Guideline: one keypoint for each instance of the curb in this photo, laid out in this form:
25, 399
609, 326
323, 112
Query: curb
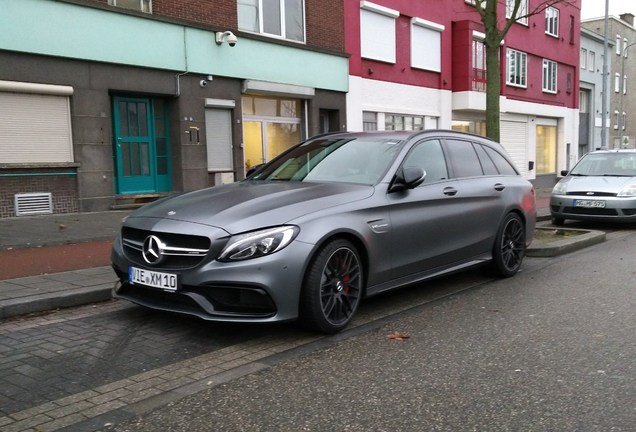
560, 247
51, 301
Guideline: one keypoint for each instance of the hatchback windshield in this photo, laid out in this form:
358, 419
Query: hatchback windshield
359, 160
606, 164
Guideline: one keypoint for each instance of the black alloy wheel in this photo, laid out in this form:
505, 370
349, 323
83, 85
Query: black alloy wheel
510, 246
333, 287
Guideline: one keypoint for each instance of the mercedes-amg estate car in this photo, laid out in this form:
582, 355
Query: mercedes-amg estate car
330, 221
600, 187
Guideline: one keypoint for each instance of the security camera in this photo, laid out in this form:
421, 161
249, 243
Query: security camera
231, 39
203, 83
226, 36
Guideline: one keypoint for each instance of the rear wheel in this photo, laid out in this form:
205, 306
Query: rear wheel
510, 246
332, 288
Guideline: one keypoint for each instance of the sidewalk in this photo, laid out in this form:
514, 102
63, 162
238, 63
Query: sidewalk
56, 261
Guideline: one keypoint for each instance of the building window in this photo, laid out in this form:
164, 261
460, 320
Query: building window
624, 120
522, 13
591, 64
377, 32
624, 84
516, 68
426, 45
618, 44
138, 5
616, 119
546, 149
369, 121
403, 122
617, 83
552, 21
279, 18
549, 76
479, 66
583, 58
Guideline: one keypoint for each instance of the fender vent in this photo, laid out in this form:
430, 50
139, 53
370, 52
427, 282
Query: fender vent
33, 203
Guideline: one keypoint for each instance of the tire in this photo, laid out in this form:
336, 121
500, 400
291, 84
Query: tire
332, 288
510, 246
557, 221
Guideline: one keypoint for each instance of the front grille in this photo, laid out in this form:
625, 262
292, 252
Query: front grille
181, 251
592, 194
590, 211
205, 301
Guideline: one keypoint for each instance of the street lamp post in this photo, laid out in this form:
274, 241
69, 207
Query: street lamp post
623, 81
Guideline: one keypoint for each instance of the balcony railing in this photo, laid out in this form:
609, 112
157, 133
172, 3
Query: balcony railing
479, 80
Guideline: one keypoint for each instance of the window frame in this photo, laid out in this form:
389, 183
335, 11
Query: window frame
522, 75
142, 6
549, 75
617, 82
552, 21
417, 60
583, 58
282, 18
523, 10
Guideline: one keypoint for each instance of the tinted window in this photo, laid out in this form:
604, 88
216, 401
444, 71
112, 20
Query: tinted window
502, 164
464, 159
429, 156
486, 163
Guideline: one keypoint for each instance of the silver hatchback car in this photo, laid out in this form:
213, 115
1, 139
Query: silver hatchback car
330, 221
600, 187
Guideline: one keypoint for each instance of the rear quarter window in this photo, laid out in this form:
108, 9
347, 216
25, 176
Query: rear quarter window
503, 166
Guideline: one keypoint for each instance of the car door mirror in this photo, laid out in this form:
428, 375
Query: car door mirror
564, 173
407, 178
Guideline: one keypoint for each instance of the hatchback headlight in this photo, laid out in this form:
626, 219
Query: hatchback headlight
629, 190
560, 188
258, 243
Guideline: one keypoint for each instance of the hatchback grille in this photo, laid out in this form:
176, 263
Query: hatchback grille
590, 211
592, 194
181, 251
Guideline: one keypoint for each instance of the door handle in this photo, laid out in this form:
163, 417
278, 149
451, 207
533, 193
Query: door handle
450, 191
499, 187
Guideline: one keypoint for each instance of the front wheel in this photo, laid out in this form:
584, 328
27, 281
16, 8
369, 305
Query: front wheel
510, 246
332, 288
557, 221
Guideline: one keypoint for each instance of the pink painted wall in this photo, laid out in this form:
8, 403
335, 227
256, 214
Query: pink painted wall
460, 19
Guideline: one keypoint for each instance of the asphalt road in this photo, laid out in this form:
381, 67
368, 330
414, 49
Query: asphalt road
552, 349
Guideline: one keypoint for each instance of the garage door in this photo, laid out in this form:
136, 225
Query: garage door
514, 138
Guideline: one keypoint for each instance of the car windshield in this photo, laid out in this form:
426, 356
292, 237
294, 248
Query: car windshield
606, 164
349, 160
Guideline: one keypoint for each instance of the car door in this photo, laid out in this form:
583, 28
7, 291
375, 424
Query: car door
480, 193
424, 220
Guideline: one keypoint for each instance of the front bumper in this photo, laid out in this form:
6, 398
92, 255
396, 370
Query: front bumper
265, 289
615, 209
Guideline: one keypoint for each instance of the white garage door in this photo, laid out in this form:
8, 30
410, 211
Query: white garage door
514, 138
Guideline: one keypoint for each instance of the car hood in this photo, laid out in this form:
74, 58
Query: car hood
606, 184
249, 205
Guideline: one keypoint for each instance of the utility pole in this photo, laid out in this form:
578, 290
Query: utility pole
621, 115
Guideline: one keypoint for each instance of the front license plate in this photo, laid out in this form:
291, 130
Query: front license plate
589, 203
164, 281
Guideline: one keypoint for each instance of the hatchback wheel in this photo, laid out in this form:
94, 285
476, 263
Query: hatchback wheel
510, 246
557, 221
332, 288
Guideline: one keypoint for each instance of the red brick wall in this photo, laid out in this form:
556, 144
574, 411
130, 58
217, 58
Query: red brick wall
324, 18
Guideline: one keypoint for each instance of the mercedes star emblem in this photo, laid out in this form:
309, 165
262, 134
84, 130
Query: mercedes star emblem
153, 250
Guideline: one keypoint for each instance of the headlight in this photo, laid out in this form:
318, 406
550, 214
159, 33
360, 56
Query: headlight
628, 191
560, 188
258, 243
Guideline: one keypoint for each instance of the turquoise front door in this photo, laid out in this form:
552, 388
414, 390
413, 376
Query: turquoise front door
142, 149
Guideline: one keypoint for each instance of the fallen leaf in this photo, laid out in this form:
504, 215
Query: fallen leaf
397, 336
61, 227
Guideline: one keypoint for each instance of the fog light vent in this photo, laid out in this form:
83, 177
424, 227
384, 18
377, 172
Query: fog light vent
33, 203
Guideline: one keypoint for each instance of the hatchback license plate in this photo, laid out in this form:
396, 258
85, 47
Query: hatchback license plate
164, 281
589, 203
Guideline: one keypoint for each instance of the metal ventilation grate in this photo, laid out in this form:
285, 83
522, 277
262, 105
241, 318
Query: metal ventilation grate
33, 203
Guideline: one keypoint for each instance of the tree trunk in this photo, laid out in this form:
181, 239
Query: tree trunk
493, 90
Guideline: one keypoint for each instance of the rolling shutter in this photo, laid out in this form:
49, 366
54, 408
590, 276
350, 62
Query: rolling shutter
514, 138
218, 134
35, 128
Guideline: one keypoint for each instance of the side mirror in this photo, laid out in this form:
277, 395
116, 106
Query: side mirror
407, 178
254, 169
564, 173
